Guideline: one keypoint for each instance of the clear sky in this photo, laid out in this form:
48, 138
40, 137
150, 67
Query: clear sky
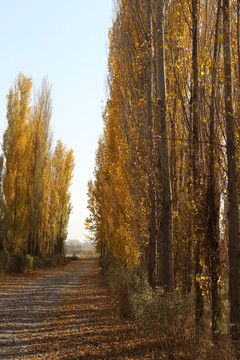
65, 40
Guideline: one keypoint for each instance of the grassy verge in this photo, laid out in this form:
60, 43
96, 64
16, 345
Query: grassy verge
166, 319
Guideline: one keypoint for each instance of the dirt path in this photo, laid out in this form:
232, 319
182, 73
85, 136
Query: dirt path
64, 314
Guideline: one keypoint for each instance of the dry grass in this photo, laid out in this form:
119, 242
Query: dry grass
167, 319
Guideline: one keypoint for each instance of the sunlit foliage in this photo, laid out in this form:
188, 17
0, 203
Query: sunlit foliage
35, 200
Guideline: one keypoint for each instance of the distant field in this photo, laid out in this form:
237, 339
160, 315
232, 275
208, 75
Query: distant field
80, 251
85, 254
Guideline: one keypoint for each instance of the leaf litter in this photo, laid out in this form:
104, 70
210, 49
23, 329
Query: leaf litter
65, 314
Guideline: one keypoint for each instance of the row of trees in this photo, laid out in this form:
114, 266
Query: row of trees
34, 182
166, 178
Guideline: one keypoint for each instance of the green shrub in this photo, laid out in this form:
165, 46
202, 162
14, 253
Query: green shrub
50, 262
59, 261
74, 257
29, 261
106, 262
46, 262
4, 259
19, 263
128, 288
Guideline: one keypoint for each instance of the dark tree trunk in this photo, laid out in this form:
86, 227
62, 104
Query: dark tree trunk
199, 305
233, 223
152, 221
165, 233
213, 197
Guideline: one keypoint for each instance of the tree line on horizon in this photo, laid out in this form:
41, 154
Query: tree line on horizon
166, 186
34, 178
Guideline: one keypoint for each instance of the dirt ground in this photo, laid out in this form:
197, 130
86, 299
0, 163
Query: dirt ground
64, 314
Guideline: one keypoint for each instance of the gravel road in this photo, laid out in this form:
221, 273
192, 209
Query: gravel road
28, 311
66, 314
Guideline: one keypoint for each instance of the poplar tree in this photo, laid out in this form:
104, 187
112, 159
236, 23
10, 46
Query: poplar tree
40, 143
15, 150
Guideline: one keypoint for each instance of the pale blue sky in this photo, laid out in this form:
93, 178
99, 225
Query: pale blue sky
65, 40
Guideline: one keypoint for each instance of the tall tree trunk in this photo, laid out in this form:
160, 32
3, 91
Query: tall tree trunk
233, 223
152, 223
165, 232
238, 44
195, 163
174, 175
213, 195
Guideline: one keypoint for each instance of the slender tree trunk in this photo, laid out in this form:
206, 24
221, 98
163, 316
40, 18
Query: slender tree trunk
174, 154
190, 269
174, 176
238, 52
195, 113
165, 233
14, 230
233, 223
238, 44
152, 223
213, 196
